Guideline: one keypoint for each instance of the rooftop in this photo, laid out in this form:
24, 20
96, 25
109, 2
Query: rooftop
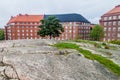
69, 17
26, 18
114, 10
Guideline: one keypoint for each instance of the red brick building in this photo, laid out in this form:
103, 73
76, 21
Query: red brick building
111, 23
23, 27
26, 26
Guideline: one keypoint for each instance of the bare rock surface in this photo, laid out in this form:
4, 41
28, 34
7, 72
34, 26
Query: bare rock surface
36, 60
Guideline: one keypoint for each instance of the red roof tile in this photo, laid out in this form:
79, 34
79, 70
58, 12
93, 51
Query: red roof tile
114, 10
26, 18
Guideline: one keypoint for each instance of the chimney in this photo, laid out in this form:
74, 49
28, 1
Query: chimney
20, 15
117, 6
12, 17
26, 14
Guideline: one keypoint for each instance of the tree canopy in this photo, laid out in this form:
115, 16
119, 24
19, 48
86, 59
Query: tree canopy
50, 27
97, 33
2, 35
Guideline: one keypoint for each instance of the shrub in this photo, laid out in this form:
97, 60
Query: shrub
115, 42
97, 45
66, 45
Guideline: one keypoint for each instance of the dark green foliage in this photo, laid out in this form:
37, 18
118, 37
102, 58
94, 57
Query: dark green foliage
97, 33
115, 42
66, 45
105, 45
103, 60
50, 27
2, 35
97, 45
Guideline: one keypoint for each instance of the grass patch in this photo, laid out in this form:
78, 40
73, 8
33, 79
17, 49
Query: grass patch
103, 60
66, 45
115, 42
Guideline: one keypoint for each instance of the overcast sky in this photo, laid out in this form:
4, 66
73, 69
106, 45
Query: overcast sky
90, 9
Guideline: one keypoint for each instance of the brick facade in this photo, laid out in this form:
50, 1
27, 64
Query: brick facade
26, 27
111, 23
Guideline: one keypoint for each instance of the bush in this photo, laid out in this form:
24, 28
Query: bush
115, 42
66, 45
97, 45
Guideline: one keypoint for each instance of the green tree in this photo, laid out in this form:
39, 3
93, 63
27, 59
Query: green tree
97, 33
2, 35
50, 27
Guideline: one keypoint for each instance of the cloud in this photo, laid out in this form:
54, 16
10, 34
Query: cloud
95, 20
90, 9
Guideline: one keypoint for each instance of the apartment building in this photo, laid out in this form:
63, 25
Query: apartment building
111, 23
23, 27
26, 26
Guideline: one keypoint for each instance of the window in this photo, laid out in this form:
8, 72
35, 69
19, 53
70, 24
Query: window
22, 30
31, 34
22, 23
114, 29
73, 31
18, 34
113, 35
27, 34
114, 17
108, 34
62, 35
110, 18
118, 28
31, 23
12, 24
66, 35
105, 23
26, 30
70, 31
114, 23
22, 26
119, 17
109, 29
109, 23
35, 23
105, 34
105, 29
118, 22
18, 23
66, 27
119, 35
31, 30
22, 34
35, 26
18, 30
105, 18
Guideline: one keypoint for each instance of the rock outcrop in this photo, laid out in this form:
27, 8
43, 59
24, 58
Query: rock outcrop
36, 60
